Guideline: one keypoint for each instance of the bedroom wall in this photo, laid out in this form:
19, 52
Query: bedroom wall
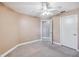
29, 28
56, 29
16, 28
8, 29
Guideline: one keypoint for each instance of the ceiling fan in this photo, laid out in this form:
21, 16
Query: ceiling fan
47, 10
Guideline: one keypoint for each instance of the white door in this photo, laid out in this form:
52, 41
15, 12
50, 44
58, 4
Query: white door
46, 30
68, 31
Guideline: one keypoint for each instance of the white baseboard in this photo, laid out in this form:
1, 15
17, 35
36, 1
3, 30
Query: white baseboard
57, 43
77, 50
61, 44
28, 42
10, 50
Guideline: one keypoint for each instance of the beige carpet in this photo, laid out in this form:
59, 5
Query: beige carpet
43, 49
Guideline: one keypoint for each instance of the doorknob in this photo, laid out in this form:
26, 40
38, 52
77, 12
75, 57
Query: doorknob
74, 34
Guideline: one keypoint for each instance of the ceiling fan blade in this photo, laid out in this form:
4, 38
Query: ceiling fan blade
51, 10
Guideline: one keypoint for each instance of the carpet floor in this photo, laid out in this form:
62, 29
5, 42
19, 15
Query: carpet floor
43, 49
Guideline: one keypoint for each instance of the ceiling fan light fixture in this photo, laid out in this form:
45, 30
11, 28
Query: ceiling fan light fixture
46, 13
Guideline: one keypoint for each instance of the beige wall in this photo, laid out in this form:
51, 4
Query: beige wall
16, 28
56, 24
29, 28
8, 29
56, 29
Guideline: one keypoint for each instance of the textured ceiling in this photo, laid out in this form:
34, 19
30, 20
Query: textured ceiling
34, 8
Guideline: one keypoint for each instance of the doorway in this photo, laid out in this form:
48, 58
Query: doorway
46, 30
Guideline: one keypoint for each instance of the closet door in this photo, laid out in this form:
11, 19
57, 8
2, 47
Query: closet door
68, 31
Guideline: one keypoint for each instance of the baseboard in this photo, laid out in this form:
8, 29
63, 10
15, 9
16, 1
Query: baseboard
77, 50
10, 50
61, 44
57, 43
28, 42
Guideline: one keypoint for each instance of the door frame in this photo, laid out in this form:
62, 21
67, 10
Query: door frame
77, 30
51, 30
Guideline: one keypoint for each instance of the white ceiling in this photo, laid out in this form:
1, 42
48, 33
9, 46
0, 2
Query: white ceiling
34, 8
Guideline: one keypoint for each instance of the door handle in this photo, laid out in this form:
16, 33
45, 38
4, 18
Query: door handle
74, 34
